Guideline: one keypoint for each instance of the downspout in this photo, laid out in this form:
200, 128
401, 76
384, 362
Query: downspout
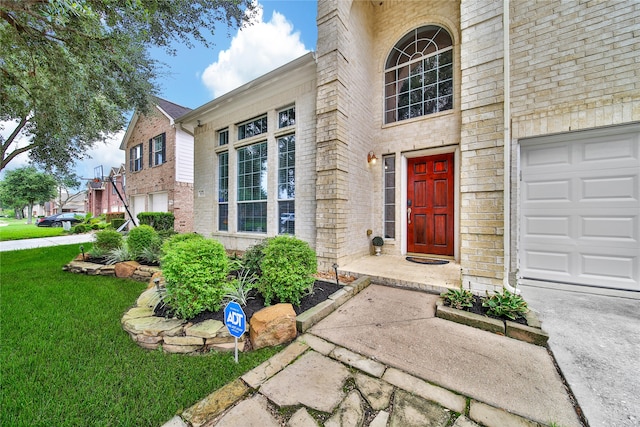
507, 147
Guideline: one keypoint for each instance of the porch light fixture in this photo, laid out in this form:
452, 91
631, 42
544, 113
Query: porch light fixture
371, 158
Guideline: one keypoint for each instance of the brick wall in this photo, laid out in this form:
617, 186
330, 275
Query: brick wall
161, 178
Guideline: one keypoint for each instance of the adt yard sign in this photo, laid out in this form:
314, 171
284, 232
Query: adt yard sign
234, 319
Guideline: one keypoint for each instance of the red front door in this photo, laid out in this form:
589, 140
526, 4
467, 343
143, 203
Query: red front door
430, 205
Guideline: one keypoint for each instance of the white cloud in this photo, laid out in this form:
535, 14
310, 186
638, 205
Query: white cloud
254, 51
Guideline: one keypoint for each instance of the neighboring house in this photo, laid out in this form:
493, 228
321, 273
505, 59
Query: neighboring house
75, 202
159, 159
434, 91
102, 193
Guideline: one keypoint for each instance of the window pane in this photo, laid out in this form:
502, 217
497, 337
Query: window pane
286, 168
427, 48
287, 117
252, 172
287, 223
389, 197
223, 217
252, 217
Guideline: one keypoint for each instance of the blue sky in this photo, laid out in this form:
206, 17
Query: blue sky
281, 32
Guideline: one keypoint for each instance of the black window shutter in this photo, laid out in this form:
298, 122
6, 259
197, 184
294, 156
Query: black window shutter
151, 152
131, 159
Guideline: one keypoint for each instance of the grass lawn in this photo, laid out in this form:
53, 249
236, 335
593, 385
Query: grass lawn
16, 229
66, 361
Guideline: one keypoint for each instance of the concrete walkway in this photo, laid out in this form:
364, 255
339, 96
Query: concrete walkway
13, 245
596, 342
384, 359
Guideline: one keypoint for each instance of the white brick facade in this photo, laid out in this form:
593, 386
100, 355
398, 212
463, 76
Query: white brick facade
573, 65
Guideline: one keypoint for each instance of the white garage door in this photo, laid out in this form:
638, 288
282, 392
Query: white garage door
580, 208
138, 206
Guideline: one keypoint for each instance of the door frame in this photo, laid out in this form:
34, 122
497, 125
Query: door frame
404, 172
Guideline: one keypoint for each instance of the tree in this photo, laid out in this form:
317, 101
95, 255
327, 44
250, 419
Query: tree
27, 186
71, 70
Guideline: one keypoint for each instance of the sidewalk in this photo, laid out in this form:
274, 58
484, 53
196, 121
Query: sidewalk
383, 358
12, 245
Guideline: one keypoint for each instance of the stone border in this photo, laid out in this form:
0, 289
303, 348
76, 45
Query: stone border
531, 333
179, 336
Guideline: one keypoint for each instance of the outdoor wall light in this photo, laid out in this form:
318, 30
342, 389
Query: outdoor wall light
371, 158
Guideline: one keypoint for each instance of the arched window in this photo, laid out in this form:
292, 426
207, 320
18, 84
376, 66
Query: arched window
418, 75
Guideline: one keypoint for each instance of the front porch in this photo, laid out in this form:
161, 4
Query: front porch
395, 270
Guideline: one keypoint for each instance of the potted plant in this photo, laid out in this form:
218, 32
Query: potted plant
377, 244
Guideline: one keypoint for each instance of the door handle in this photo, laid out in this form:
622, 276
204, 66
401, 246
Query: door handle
409, 215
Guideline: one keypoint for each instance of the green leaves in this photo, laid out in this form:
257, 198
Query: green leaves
506, 304
458, 298
287, 269
195, 272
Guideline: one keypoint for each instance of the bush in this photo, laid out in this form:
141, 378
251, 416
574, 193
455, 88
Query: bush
195, 272
253, 256
141, 237
107, 240
160, 221
117, 222
177, 238
287, 268
79, 228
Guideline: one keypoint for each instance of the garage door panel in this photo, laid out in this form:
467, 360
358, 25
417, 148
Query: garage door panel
580, 208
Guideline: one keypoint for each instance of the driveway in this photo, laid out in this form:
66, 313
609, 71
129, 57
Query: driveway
596, 342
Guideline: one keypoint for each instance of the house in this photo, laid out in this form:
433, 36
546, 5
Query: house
402, 117
159, 159
102, 193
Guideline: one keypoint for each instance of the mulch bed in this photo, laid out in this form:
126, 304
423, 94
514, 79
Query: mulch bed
477, 308
321, 291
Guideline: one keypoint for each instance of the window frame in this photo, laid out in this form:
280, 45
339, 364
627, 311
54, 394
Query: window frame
135, 159
416, 82
223, 192
223, 135
286, 194
290, 120
158, 157
253, 195
261, 127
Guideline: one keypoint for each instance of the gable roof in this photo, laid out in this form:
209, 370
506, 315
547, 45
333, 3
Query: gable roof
169, 109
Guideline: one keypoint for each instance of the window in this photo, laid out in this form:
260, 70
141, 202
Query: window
287, 184
419, 75
389, 197
252, 127
135, 158
223, 137
157, 150
287, 117
223, 191
252, 188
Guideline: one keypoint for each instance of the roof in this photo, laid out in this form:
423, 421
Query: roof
173, 110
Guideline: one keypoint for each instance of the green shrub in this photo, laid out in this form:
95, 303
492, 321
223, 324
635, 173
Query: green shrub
79, 228
160, 221
117, 222
107, 240
253, 256
141, 237
287, 268
505, 304
195, 272
177, 238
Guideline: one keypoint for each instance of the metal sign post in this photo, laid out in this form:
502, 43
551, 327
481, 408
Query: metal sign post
235, 321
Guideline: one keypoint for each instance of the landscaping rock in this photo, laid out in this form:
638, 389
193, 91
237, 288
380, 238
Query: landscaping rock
349, 413
207, 329
410, 410
272, 326
126, 269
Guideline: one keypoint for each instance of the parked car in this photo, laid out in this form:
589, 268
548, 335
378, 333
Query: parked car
57, 220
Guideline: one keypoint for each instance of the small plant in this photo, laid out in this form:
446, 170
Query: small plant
253, 256
505, 304
117, 255
458, 298
157, 301
107, 240
151, 254
377, 241
287, 268
143, 236
239, 289
195, 273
